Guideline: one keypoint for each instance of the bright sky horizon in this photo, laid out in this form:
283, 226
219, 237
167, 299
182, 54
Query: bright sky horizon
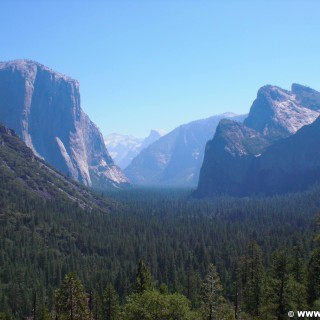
158, 64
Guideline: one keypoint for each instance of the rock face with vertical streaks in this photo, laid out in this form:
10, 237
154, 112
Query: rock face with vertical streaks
44, 109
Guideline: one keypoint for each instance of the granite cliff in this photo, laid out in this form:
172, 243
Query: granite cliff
43, 107
252, 158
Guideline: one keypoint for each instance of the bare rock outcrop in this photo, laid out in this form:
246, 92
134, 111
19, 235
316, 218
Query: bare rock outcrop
44, 109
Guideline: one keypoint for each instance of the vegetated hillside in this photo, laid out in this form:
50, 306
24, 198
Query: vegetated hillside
25, 177
38, 209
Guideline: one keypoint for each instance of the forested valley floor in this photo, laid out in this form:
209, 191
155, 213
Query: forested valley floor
159, 254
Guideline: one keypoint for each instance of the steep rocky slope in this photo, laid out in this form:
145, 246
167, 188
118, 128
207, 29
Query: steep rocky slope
291, 164
278, 113
228, 158
43, 107
235, 160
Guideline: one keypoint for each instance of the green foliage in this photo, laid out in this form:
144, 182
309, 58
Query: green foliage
110, 307
211, 298
252, 275
42, 240
143, 278
5, 316
314, 277
152, 305
283, 292
71, 300
45, 234
225, 311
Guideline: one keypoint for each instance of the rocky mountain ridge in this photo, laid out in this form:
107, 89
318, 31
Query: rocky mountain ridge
278, 113
235, 154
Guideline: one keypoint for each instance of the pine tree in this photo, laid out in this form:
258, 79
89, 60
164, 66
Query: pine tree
211, 293
143, 279
314, 277
252, 291
110, 305
298, 270
313, 272
237, 291
279, 284
284, 293
71, 301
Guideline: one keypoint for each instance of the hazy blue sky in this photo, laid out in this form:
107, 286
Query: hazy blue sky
158, 64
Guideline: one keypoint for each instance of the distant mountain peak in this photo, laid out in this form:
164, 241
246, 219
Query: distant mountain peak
156, 132
228, 114
278, 113
123, 148
153, 136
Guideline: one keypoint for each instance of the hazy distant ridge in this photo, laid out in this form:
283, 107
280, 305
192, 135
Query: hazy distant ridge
123, 148
175, 159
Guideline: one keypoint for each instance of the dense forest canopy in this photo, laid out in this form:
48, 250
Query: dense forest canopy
179, 238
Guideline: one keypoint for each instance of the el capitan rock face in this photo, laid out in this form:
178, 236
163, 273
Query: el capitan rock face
247, 159
43, 107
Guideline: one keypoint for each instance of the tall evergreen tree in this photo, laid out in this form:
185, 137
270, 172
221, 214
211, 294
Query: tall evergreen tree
71, 301
279, 285
211, 293
314, 277
313, 272
298, 264
143, 279
110, 307
253, 280
284, 293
